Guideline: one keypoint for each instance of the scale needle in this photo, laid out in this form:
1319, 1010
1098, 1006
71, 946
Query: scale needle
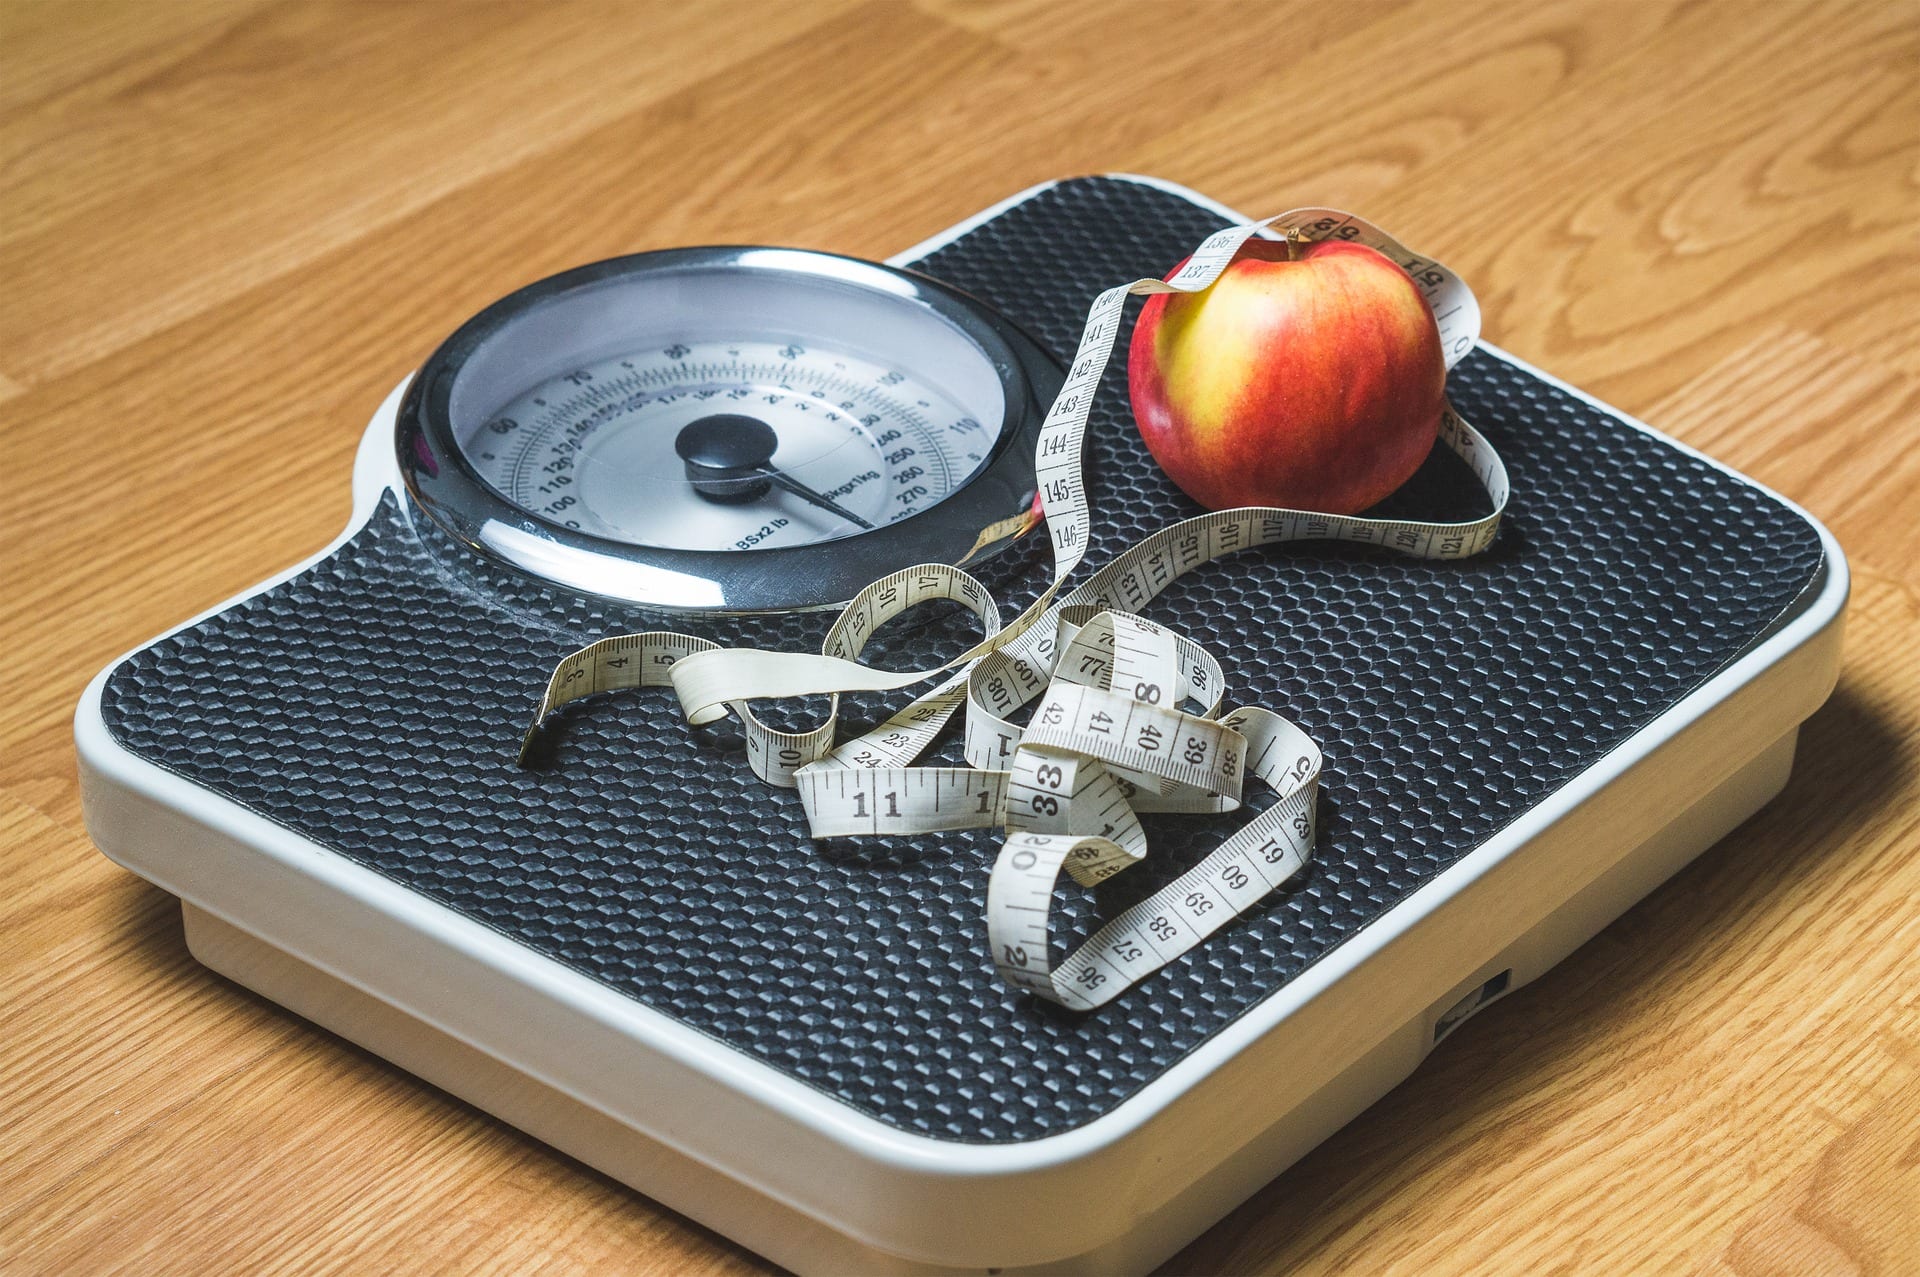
805, 493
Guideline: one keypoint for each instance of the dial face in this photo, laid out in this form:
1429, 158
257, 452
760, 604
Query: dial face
636, 448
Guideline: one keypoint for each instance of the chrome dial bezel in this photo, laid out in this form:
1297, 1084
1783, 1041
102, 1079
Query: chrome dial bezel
445, 484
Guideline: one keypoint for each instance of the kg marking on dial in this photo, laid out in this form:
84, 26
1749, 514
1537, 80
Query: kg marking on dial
731, 445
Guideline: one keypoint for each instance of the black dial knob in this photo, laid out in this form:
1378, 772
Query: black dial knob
726, 456
730, 458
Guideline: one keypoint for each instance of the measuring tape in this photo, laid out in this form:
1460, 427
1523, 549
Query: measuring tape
1128, 714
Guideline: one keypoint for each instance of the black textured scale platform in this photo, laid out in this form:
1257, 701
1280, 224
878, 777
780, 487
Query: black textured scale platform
1449, 698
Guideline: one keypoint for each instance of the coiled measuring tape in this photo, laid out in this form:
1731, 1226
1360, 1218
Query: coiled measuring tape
1128, 718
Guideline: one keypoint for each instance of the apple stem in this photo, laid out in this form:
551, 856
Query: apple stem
1293, 242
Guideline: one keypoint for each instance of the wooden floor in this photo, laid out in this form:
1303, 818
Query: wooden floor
226, 230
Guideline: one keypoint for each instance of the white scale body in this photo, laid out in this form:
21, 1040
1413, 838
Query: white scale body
820, 1187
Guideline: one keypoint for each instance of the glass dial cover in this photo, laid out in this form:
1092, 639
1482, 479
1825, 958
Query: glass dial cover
728, 429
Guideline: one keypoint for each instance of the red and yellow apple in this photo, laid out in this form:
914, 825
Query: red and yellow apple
1308, 376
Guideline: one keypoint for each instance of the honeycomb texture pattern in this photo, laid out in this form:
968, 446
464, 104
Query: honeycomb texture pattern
373, 704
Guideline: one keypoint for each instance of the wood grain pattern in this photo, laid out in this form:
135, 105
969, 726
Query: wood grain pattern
227, 228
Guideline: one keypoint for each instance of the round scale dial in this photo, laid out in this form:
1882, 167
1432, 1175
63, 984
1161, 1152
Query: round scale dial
728, 429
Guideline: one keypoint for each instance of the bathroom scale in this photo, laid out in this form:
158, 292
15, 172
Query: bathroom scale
627, 944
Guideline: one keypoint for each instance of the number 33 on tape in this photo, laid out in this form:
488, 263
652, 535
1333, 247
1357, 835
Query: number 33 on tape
1128, 717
